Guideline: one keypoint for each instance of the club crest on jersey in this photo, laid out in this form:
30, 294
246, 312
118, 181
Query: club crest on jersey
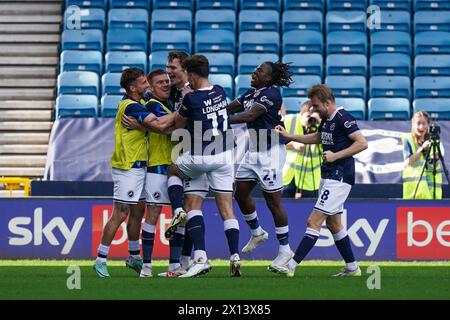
130, 194
256, 94
332, 126
156, 195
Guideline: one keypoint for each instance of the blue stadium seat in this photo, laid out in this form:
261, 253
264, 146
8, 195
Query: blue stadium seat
117, 61
82, 40
91, 18
259, 41
347, 42
109, 105
394, 20
78, 82
126, 40
158, 60
304, 5
217, 4
223, 80
389, 109
431, 21
71, 106
390, 41
432, 65
431, 5
259, 20
346, 64
432, 42
302, 20
87, 3
346, 21
431, 87
221, 62
242, 84
303, 64
392, 4
141, 4
346, 4
111, 84
300, 85
172, 4
76, 60
171, 19
128, 19
215, 41
171, 40
247, 62
390, 86
394, 64
259, 4
437, 108
356, 107
302, 41
215, 19
294, 104
347, 86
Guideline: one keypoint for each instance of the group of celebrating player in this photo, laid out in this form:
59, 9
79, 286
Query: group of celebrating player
147, 166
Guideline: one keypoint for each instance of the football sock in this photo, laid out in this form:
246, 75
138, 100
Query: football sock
342, 241
307, 243
134, 248
102, 253
176, 245
253, 222
175, 190
148, 239
196, 228
231, 228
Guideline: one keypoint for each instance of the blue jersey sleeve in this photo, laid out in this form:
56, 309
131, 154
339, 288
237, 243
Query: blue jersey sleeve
241, 98
185, 108
152, 107
137, 111
407, 149
349, 124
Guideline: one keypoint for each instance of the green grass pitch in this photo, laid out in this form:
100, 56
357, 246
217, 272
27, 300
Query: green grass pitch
46, 279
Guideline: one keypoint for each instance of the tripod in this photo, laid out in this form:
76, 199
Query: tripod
433, 149
308, 157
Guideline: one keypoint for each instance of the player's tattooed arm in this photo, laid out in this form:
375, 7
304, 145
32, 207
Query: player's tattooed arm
235, 106
249, 116
159, 124
359, 144
312, 138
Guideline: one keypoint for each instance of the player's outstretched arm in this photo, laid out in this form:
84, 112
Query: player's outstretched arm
311, 138
359, 144
249, 116
235, 106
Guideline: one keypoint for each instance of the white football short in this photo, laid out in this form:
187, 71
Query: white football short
156, 189
129, 185
332, 195
218, 170
199, 186
266, 167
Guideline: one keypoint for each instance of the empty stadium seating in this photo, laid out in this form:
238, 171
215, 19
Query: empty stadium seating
389, 108
438, 108
293, 104
405, 58
76, 106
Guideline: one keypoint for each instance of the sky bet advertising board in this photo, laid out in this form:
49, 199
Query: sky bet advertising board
379, 230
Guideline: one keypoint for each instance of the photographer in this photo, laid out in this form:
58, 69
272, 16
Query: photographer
301, 172
416, 146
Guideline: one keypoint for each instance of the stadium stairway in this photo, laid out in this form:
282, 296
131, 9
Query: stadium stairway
29, 47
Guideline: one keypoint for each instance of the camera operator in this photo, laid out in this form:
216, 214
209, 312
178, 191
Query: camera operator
415, 149
301, 172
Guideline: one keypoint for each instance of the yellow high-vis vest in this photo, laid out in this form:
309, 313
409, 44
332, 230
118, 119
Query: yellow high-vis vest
411, 176
304, 166
160, 145
130, 146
